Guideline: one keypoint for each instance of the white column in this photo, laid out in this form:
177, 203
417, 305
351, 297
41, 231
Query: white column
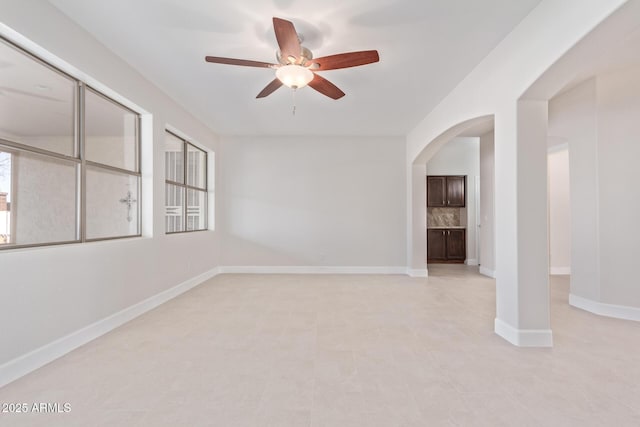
418, 221
487, 195
522, 288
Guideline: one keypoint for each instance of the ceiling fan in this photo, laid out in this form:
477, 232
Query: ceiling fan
296, 66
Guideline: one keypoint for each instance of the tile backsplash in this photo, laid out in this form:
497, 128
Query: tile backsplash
443, 217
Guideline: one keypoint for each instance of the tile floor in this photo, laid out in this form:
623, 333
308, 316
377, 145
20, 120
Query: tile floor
280, 350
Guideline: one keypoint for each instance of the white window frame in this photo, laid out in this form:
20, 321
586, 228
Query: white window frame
78, 158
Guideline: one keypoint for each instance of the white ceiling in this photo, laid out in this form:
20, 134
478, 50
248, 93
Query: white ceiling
426, 47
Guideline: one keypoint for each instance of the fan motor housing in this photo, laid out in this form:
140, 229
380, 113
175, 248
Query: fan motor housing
305, 56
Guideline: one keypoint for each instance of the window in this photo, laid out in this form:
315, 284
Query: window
185, 186
69, 157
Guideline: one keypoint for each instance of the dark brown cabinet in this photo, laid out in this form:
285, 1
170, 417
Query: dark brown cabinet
446, 191
436, 245
455, 191
436, 191
446, 245
456, 248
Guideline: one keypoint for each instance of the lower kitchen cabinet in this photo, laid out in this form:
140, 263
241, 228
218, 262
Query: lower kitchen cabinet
436, 245
446, 245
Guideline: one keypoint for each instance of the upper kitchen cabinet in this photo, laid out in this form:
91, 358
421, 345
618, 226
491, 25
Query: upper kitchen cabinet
436, 191
455, 191
446, 191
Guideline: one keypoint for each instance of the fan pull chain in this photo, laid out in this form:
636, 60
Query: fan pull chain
293, 113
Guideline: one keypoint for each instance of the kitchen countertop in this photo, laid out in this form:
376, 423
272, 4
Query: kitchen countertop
444, 227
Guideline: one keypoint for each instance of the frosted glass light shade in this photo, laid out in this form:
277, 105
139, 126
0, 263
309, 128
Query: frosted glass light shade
294, 76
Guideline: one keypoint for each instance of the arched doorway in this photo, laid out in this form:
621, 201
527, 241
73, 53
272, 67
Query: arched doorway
478, 126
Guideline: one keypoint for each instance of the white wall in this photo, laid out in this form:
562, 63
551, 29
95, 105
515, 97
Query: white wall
573, 118
618, 95
461, 156
50, 292
559, 211
313, 201
599, 118
487, 222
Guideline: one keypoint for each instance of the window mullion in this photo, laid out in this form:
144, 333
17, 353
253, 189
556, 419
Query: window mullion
82, 217
185, 171
205, 211
139, 156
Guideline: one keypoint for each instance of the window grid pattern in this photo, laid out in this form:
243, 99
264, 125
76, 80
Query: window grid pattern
15, 149
185, 187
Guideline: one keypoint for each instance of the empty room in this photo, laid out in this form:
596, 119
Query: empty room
342, 213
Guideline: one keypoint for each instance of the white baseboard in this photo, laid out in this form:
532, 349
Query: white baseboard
411, 272
471, 261
39, 357
559, 270
486, 272
604, 309
524, 337
268, 269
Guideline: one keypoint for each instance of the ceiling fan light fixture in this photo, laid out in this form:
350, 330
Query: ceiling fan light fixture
294, 76
296, 67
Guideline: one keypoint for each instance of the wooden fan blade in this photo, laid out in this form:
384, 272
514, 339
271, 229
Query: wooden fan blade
243, 62
270, 88
325, 87
287, 39
344, 60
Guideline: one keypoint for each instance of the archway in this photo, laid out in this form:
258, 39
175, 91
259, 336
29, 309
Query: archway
499, 86
418, 225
